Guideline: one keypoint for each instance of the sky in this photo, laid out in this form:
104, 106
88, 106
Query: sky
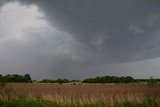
77, 39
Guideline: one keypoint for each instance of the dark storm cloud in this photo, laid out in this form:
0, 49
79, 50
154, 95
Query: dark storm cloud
113, 31
2, 2
99, 32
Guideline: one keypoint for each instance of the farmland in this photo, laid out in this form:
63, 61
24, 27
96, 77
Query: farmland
81, 94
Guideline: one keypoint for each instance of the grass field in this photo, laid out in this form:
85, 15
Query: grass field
82, 95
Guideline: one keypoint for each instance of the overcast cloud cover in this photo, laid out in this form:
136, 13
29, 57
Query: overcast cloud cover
76, 39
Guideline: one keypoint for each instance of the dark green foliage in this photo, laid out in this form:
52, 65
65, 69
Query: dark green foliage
75, 81
147, 80
27, 78
109, 79
60, 81
15, 78
151, 82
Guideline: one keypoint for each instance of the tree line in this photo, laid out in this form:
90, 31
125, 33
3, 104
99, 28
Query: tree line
16, 78
110, 79
60, 81
116, 79
104, 79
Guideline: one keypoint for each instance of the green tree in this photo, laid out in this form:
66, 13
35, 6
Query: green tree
151, 82
27, 78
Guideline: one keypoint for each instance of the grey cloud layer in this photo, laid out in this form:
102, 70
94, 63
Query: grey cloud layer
113, 31
102, 32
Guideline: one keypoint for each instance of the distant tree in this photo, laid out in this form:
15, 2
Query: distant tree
44, 81
27, 78
129, 79
60, 81
110, 79
15, 78
1, 78
7, 78
151, 82
75, 81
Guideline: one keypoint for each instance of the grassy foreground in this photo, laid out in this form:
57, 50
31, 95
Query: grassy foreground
44, 103
50, 95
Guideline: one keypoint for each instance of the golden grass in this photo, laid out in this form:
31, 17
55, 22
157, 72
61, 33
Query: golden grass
81, 94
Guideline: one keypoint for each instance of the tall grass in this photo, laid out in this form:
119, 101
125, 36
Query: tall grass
11, 98
45, 103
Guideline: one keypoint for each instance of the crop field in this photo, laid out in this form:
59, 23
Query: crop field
80, 94
137, 91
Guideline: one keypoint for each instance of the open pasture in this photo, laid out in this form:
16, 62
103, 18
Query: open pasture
108, 91
80, 95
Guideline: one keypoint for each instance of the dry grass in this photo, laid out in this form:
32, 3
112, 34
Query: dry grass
81, 94
100, 91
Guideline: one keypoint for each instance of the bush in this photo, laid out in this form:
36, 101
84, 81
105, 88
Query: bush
151, 82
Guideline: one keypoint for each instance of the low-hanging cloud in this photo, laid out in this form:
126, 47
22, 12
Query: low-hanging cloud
90, 33
113, 31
